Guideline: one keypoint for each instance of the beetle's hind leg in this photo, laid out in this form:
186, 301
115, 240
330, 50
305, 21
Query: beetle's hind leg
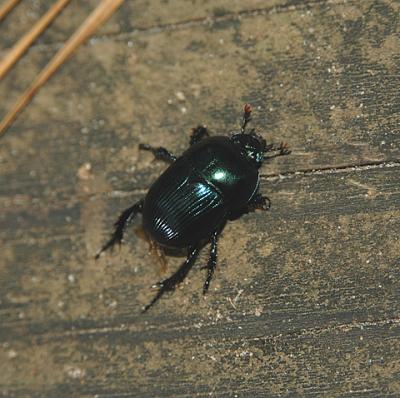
212, 261
160, 153
170, 283
198, 133
123, 221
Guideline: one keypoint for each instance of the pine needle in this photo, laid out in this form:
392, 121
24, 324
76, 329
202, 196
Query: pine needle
92, 22
23, 44
7, 7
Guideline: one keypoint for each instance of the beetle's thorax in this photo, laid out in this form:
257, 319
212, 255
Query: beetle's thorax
222, 164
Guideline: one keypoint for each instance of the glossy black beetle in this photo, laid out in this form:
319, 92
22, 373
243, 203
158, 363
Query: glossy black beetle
214, 181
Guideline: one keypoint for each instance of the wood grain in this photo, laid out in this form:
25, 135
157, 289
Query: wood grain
305, 300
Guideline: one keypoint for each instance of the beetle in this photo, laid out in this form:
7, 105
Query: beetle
214, 181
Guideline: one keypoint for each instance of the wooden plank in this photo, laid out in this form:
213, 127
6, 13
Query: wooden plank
306, 210
345, 104
305, 300
307, 281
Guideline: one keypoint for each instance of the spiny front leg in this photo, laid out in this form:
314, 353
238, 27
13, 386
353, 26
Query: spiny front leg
282, 150
160, 153
170, 283
123, 221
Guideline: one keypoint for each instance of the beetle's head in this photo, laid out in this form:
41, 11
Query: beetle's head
252, 146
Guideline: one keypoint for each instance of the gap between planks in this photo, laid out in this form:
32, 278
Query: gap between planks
386, 164
289, 174
132, 328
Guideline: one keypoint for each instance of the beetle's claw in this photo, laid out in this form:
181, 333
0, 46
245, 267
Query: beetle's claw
116, 239
162, 286
152, 302
158, 285
266, 205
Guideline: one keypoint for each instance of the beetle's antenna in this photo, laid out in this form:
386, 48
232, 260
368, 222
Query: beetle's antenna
246, 117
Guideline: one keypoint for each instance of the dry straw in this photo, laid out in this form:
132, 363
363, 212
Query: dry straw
6, 7
23, 44
92, 22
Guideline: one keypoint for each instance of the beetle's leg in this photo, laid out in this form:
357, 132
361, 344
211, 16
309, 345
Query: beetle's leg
170, 283
212, 261
282, 150
259, 201
120, 225
159, 153
198, 133
246, 117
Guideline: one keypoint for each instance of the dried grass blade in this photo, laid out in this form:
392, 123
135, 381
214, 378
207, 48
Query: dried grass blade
7, 7
92, 22
23, 44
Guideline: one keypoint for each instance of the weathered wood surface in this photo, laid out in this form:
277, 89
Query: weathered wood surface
305, 300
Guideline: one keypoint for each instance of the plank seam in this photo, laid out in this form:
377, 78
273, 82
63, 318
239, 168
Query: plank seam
333, 170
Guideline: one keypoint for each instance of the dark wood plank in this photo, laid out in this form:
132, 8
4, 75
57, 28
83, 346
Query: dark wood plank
305, 300
313, 308
342, 94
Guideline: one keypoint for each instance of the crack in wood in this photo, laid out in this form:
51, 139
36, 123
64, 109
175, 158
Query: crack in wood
126, 328
333, 170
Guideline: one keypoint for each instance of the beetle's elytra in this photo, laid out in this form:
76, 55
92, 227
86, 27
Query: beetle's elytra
213, 181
